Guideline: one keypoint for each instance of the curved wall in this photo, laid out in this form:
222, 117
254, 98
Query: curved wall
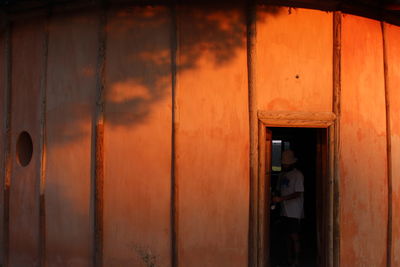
363, 156
173, 99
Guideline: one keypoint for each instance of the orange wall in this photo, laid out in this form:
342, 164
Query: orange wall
392, 36
71, 94
27, 66
294, 59
212, 138
137, 138
363, 169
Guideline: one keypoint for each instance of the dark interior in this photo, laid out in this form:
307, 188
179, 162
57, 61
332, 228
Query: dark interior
303, 141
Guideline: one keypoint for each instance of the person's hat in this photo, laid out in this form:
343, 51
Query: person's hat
288, 157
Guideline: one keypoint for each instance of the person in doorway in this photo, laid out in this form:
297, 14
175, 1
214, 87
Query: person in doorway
291, 188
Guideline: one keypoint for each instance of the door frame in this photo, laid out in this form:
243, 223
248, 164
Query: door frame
259, 204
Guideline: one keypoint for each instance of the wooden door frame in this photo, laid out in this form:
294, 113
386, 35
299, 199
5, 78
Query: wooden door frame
258, 222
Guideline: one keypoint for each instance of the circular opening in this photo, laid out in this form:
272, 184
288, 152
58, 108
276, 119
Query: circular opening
24, 148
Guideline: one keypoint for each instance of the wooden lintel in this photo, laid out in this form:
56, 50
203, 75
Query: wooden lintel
297, 119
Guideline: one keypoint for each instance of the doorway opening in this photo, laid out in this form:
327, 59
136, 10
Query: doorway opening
310, 146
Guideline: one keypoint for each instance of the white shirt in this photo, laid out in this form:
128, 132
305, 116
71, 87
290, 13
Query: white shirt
289, 183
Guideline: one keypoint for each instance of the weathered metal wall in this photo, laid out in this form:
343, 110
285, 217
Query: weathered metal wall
176, 146
212, 143
392, 40
71, 91
363, 159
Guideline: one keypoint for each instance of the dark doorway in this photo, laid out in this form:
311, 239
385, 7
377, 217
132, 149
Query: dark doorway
310, 148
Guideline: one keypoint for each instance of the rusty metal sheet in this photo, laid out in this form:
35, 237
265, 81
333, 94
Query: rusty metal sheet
293, 59
70, 106
392, 38
137, 138
363, 158
27, 71
212, 137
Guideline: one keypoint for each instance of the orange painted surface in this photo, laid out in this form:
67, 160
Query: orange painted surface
293, 73
363, 169
393, 61
2, 140
137, 138
71, 96
27, 65
294, 59
212, 163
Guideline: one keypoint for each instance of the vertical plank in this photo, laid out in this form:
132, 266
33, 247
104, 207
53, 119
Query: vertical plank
264, 197
262, 191
98, 141
213, 136
363, 148
42, 140
251, 24
71, 94
388, 150
319, 196
27, 61
334, 201
7, 142
292, 46
392, 61
3, 138
137, 138
174, 181
334, 133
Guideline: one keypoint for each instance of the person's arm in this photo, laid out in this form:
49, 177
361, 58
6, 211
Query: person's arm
288, 197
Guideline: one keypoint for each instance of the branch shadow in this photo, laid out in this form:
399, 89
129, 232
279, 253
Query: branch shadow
139, 64
139, 59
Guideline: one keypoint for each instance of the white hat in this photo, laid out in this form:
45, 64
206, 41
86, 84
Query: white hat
288, 157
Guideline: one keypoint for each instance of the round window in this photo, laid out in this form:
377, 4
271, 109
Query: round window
24, 148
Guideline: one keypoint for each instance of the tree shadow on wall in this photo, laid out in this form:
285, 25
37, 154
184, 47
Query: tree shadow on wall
140, 46
138, 57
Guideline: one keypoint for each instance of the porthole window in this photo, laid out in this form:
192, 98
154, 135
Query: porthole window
24, 148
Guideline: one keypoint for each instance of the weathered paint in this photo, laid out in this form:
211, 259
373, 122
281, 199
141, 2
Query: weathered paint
293, 64
363, 166
137, 138
27, 62
212, 137
294, 59
392, 39
71, 94
3, 105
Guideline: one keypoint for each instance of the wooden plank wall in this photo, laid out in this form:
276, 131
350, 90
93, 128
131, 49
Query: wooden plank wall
71, 91
3, 112
201, 149
287, 61
392, 40
363, 159
294, 59
137, 138
27, 39
212, 137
